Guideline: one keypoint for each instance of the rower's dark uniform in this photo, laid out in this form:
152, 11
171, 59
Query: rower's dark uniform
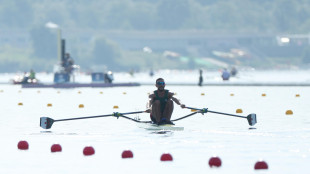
163, 101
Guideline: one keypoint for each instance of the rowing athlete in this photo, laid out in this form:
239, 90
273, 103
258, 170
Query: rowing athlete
161, 104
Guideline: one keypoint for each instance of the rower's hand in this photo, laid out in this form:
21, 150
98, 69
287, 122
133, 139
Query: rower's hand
148, 111
182, 106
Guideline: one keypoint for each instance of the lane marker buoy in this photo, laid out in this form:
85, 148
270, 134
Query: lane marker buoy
232, 94
81, 106
202, 94
215, 162
20, 104
56, 148
289, 112
239, 111
166, 157
49, 105
101, 92
23, 145
127, 154
115, 107
88, 150
260, 165
297, 95
263, 95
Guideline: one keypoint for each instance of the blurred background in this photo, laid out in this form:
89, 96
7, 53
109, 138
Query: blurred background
124, 35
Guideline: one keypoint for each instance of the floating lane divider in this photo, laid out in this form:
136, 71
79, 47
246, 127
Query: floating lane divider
251, 117
46, 122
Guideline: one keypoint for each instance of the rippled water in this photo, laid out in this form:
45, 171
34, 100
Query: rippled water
281, 140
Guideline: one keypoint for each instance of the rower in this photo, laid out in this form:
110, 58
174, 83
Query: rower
161, 104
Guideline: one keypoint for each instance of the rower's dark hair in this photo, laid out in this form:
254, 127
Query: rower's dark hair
159, 79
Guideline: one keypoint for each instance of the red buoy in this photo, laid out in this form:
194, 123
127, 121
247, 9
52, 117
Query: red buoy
260, 165
127, 154
23, 145
215, 162
166, 157
56, 148
88, 150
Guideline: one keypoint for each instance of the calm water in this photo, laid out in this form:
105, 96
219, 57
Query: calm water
281, 140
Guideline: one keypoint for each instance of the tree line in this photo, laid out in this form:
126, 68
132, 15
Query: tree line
277, 16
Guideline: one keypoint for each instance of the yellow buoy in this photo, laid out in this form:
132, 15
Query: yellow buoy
297, 95
232, 94
263, 95
101, 92
289, 112
20, 104
115, 107
239, 111
79, 92
202, 94
81, 106
124, 93
49, 105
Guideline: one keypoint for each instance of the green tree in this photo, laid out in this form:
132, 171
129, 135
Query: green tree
306, 55
16, 13
106, 52
173, 13
44, 43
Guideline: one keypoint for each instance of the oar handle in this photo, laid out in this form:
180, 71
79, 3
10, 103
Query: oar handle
215, 112
97, 116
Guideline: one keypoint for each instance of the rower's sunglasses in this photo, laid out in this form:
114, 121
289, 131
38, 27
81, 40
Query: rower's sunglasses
160, 83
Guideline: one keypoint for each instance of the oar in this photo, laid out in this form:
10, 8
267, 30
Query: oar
251, 117
46, 122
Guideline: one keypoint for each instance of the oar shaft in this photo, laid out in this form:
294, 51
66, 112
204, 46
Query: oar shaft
227, 114
78, 118
98, 116
215, 112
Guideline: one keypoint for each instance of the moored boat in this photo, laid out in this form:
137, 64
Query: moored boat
78, 85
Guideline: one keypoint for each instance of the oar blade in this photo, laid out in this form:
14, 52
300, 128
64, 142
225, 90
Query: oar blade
252, 119
46, 122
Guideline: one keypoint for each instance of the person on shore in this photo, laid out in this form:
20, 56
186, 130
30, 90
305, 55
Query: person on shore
151, 73
161, 104
225, 75
200, 78
233, 71
32, 75
68, 63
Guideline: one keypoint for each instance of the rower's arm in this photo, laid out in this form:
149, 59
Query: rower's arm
149, 104
177, 101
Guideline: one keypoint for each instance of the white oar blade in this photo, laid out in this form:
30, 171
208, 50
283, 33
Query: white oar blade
252, 119
46, 122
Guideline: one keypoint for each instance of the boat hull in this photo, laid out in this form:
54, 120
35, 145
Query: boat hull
164, 127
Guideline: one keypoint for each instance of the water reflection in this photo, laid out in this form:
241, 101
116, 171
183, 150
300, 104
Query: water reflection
167, 133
